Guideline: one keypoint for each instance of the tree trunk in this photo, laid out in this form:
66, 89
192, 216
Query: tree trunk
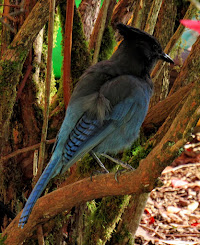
152, 16
122, 12
130, 220
89, 10
171, 44
190, 70
96, 38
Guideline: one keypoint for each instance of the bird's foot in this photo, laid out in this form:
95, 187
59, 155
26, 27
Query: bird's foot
121, 163
126, 166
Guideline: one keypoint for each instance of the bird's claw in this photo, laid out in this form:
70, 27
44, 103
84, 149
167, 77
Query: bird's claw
123, 170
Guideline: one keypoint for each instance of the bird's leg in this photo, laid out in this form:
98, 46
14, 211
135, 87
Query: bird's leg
99, 161
123, 164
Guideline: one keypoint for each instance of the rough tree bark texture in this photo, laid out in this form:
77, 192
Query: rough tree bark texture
139, 13
152, 16
122, 12
127, 223
158, 113
164, 30
159, 66
190, 71
139, 181
101, 23
13, 59
89, 10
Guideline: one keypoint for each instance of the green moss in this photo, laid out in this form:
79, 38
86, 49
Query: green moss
81, 57
107, 45
103, 219
120, 237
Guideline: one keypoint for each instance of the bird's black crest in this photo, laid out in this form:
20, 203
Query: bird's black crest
129, 32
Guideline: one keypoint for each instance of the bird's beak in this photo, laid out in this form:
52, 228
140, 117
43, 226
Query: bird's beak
166, 58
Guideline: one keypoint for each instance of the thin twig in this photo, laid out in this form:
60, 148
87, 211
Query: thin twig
47, 88
67, 51
149, 229
22, 84
26, 149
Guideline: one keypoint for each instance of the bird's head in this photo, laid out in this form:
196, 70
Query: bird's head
142, 46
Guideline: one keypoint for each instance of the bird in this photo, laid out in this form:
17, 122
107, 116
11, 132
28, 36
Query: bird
106, 108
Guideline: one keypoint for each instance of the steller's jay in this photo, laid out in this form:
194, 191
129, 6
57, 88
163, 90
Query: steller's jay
107, 107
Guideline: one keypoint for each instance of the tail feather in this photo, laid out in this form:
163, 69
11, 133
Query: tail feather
37, 191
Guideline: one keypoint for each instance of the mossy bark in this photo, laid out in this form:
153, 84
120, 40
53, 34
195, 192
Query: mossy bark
12, 62
160, 65
152, 16
89, 11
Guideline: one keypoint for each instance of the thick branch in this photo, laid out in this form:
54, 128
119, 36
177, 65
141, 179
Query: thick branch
158, 113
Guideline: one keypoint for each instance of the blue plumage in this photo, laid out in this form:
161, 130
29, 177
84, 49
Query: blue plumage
106, 109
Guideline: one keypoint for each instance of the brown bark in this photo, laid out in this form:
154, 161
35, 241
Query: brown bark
191, 69
139, 181
122, 11
152, 16
100, 25
138, 14
13, 60
47, 89
164, 28
158, 113
130, 220
160, 64
89, 10
67, 51
190, 12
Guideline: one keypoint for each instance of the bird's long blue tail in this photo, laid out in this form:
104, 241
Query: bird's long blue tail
37, 191
73, 149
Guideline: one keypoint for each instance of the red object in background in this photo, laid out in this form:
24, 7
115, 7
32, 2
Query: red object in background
195, 224
191, 24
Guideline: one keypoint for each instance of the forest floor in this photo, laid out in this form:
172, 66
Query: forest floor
172, 213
